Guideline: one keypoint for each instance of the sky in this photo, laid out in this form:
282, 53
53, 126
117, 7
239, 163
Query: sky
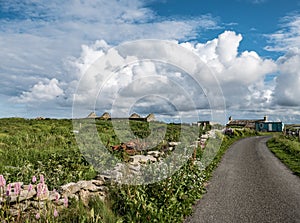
251, 48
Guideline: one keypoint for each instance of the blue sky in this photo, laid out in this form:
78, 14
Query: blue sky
251, 46
251, 18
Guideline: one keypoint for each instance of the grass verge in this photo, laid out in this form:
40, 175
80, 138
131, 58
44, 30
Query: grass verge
287, 150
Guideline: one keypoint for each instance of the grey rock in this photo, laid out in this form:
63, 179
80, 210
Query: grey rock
70, 188
84, 197
98, 182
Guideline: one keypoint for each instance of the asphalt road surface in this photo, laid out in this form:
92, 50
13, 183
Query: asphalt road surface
250, 185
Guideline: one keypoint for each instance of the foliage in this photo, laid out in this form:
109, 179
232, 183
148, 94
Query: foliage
169, 200
48, 147
96, 211
287, 150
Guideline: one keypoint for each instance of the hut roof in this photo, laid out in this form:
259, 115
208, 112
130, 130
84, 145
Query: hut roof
105, 115
135, 115
92, 115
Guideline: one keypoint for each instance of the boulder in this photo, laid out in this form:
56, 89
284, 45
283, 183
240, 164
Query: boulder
70, 188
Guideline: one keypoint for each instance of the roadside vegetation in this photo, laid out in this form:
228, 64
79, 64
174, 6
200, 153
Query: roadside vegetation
49, 147
287, 149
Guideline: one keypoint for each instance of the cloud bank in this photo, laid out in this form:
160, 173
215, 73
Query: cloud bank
47, 48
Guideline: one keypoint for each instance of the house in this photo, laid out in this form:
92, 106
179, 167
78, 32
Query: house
105, 116
262, 125
150, 117
92, 115
244, 123
269, 126
134, 117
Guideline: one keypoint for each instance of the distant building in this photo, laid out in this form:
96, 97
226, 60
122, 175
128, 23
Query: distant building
105, 116
92, 115
150, 117
134, 116
262, 125
269, 126
244, 123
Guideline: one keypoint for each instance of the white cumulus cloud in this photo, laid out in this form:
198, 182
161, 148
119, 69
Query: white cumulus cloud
41, 92
241, 75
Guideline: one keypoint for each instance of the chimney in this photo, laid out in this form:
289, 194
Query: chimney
265, 118
230, 118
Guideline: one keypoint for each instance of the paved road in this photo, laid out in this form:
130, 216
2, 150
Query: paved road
250, 185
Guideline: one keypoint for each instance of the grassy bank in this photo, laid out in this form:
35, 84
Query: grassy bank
287, 150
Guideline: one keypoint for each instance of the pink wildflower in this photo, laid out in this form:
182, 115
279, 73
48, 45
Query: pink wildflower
38, 216
66, 202
30, 187
55, 213
56, 195
39, 189
33, 179
42, 189
17, 188
42, 179
8, 189
45, 189
2, 181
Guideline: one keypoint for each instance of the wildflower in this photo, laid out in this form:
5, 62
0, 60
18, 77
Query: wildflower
2, 181
37, 216
39, 189
42, 179
56, 195
66, 202
30, 187
45, 189
8, 190
17, 188
42, 189
33, 179
55, 213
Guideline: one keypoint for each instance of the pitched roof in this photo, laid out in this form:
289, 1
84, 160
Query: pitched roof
247, 123
135, 115
105, 115
150, 117
92, 115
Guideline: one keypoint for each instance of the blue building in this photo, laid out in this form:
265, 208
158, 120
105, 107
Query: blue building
269, 126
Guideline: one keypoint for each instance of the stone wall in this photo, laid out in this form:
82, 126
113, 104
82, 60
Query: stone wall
30, 198
20, 197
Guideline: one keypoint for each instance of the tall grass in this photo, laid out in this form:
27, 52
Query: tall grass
287, 150
48, 147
